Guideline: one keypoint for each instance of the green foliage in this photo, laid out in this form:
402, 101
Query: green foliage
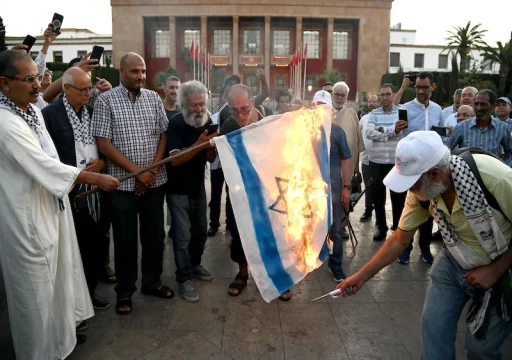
2, 35
161, 77
53, 66
333, 76
462, 39
218, 76
185, 56
503, 57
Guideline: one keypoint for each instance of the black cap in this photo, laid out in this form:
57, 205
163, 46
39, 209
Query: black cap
327, 84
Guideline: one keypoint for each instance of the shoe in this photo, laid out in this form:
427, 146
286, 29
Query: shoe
436, 236
427, 256
344, 234
337, 275
366, 217
82, 326
99, 303
404, 258
201, 273
393, 228
80, 339
380, 235
212, 231
188, 291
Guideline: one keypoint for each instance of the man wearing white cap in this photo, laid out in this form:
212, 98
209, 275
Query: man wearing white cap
476, 257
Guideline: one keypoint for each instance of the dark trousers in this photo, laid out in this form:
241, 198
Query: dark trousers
378, 172
368, 195
217, 181
230, 216
237, 250
148, 209
425, 237
335, 233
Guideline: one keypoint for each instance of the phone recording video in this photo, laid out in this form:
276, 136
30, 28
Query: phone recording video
57, 23
29, 41
212, 128
440, 130
97, 51
402, 114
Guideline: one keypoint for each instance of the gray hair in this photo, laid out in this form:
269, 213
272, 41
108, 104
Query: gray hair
189, 88
67, 78
239, 87
172, 78
443, 164
457, 92
341, 84
8, 60
474, 90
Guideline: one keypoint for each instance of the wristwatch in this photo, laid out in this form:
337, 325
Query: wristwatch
348, 186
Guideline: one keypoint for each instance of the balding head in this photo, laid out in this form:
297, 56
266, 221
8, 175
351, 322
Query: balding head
464, 112
133, 72
468, 96
76, 84
373, 102
73, 75
130, 57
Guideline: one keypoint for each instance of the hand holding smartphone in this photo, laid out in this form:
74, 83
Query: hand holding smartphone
212, 128
57, 23
97, 51
442, 131
29, 41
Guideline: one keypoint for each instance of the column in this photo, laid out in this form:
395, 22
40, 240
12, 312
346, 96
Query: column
172, 41
298, 34
235, 45
267, 48
204, 32
330, 32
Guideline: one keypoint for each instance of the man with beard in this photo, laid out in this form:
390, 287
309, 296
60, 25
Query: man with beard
384, 130
472, 260
130, 127
484, 131
186, 194
171, 105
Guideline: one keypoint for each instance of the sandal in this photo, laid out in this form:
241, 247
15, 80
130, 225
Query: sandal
238, 286
108, 276
121, 303
161, 292
286, 296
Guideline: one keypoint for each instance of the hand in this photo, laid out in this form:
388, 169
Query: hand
147, 179
355, 282
204, 138
103, 85
140, 189
86, 64
345, 197
260, 73
400, 125
381, 129
20, 47
95, 166
49, 35
107, 182
449, 132
482, 277
406, 82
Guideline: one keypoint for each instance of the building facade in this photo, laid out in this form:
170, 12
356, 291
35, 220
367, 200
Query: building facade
351, 36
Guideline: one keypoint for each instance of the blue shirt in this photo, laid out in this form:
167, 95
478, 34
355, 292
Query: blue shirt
421, 118
339, 151
496, 138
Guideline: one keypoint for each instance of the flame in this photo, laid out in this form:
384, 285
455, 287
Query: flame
305, 196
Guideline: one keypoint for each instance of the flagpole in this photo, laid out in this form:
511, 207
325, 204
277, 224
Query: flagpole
305, 69
194, 61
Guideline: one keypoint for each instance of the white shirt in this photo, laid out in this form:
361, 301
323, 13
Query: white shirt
363, 124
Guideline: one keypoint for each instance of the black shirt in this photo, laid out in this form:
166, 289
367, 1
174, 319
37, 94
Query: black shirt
170, 114
187, 178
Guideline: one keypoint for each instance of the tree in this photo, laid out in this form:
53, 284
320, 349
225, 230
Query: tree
503, 57
333, 76
162, 76
2, 35
462, 39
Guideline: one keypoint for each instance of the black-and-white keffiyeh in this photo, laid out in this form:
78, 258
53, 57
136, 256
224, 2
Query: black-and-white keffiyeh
481, 219
80, 125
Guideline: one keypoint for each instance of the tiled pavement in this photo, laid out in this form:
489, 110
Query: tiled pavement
381, 322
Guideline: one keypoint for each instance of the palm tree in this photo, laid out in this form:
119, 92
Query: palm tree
462, 39
503, 57
333, 76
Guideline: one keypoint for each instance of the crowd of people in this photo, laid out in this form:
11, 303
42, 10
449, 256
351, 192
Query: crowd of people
63, 138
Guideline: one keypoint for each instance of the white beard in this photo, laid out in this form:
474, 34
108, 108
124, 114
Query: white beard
429, 191
192, 120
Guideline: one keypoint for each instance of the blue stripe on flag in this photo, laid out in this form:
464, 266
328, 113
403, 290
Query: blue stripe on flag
259, 213
324, 252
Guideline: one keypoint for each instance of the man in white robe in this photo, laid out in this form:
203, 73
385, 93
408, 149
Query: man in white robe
47, 295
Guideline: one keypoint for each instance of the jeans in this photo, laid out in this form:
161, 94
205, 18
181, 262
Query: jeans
447, 294
378, 172
127, 208
189, 232
217, 181
368, 195
336, 258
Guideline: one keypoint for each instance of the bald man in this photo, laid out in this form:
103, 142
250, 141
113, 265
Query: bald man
67, 121
464, 112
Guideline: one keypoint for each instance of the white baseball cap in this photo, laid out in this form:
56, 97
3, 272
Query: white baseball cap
323, 97
415, 155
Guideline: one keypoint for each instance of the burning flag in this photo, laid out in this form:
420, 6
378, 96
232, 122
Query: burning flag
277, 171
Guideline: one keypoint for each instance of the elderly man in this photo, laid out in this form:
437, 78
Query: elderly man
130, 127
467, 99
484, 131
46, 290
186, 194
477, 255
67, 121
503, 109
452, 109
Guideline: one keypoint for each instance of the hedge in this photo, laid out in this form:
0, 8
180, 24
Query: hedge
105, 72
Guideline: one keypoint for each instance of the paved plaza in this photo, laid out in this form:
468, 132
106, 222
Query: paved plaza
383, 321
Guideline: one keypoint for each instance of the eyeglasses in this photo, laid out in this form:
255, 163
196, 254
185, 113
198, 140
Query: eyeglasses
83, 91
48, 72
341, 96
29, 79
242, 111
424, 88
386, 95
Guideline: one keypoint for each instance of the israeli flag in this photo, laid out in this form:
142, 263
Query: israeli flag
256, 169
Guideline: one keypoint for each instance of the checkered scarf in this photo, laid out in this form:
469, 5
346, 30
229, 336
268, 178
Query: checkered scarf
31, 117
80, 126
482, 222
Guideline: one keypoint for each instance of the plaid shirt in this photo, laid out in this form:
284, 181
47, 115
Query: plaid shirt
133, 126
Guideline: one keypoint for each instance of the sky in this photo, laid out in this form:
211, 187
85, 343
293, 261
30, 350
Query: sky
431, 24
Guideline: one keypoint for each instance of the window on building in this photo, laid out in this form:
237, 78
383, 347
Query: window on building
312, 38
443, 61
81, 53
281, 42
340, 45
191, 35
107, 57
281, 82
394, 59
222, 42
161, 43
252, 42
252, 83
57, 56
34, 54
404, 40
419, 60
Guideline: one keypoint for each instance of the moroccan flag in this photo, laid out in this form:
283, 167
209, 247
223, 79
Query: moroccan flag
196, 52
191, 50
306, 51
202, 59
292, 61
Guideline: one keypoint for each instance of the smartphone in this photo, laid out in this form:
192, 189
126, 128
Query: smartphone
97, 51
29, 41
212, 128
440, 130
402, 114
412, 78
57, 22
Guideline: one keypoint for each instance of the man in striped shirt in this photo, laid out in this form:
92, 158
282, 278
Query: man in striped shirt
384, 130
483, 131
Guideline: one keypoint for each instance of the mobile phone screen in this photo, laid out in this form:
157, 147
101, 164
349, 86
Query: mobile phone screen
212, 128
97, 51
402, 114
29, 41
440, 130
57, 22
